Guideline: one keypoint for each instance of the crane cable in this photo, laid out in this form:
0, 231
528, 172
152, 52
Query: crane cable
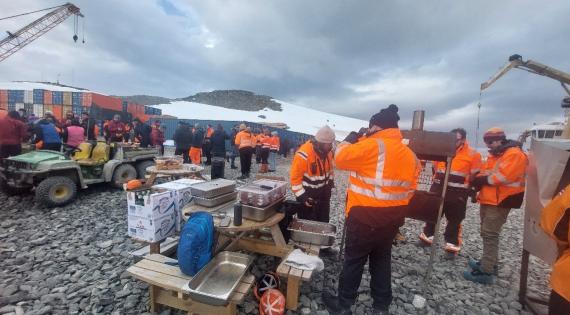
17, 15
478, 115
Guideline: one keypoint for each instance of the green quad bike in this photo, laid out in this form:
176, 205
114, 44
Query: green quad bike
55, 176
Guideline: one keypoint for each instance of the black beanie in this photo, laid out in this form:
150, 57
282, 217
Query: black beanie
386, 118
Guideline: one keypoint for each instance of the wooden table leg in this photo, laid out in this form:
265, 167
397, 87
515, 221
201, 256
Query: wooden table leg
154, 248
150, 181
278, 236
292, 301
152, 290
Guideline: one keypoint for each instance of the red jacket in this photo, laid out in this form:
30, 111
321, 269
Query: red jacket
12, 131
116, 128
156, 136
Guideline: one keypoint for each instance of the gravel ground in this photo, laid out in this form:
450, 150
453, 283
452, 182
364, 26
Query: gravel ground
72, 260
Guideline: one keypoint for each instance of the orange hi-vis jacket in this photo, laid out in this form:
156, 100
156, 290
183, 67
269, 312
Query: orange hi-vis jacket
264, 141
555, 221
383, 170
274, 141
309, 173
506, 176
259, 139
209, 132
466, 163
244, 139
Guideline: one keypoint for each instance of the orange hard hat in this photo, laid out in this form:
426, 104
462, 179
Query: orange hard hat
134, 184
272, 303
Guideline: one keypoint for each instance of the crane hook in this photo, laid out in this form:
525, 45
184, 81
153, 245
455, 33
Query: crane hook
75, 38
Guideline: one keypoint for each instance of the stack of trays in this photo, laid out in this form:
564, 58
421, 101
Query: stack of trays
214, 193
262, 192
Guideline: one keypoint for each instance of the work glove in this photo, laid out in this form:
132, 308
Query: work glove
352, 137
478, 182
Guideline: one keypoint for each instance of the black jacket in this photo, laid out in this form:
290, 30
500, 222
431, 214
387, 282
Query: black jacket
89, 127
183, 137
198, 138
218, 139
142, 131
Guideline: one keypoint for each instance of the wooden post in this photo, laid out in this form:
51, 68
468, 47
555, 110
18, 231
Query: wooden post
292, 301
154, 248
152, 290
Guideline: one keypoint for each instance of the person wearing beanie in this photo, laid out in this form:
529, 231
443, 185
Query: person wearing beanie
244, 142
501, 186
465, 164
382, 180
312, 177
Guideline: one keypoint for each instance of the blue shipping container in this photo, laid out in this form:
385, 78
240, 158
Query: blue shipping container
11, 107
76, 98
57, 98
15, 96
38, 96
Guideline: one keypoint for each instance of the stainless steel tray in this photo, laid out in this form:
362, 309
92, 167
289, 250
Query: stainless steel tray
213, 188
312, 232
260, 213
212, 202
214, 284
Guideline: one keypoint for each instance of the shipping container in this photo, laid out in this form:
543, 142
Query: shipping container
67, 109
4, 97
28, 97
107, 102
19, 106
15, 96
67, 98
48, 98
11, 107
76, 98
29, 108
58, 112
86, 99
38, 96
57, 98
39, 110
3, 106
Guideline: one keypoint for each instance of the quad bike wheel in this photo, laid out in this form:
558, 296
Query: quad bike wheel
123, 174
142, 166
56, 191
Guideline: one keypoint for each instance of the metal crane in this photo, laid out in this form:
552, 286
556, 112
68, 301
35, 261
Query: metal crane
17, 40
516, 61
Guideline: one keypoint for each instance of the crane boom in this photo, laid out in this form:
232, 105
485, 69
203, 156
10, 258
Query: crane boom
516, 61
27, 34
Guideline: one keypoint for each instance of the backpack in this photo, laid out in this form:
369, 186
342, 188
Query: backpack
196, 243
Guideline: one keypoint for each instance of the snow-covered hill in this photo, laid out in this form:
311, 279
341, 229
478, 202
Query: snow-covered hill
298, 118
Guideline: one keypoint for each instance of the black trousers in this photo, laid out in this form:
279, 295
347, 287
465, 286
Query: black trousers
454, 209
264, 155
245, 160
206, 149
8, 150
257, 154
373, 244
185, 152
558, 304
320, 211
218, 164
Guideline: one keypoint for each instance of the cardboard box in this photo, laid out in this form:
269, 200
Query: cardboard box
152, 230
152, 214
181, 188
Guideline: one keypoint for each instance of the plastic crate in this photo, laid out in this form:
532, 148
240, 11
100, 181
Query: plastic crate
262, 192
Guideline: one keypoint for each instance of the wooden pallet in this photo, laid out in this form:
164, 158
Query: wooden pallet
166, 283
295, 276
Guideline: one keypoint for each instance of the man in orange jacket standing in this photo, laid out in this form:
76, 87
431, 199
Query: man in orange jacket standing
501, 184
555, 221
383, 176
465, 164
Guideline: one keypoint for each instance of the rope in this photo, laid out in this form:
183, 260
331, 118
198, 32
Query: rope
17, 15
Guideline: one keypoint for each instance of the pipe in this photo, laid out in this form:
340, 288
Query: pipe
418, 120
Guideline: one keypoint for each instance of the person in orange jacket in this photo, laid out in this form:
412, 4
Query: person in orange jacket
244, 142
465, 164
265, 140
501, 188
383, 178
312, 176
273, 149
258, 135
555, 221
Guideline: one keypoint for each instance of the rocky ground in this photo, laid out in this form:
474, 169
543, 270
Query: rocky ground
72, 260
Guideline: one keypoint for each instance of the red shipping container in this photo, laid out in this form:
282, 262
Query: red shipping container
108, 102
86, 99
3, 106
47, 97
3, 96
57, 111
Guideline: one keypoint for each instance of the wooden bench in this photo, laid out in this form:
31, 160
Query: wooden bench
166, 282
294, 275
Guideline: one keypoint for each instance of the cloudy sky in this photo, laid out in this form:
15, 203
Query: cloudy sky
345, 57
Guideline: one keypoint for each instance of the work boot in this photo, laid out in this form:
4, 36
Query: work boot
334, 306
233, 167
478, 276
476, 265
426, 240
452, 248
261, 168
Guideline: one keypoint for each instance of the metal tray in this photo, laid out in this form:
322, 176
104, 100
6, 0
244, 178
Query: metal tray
213, 188
312, 232
212, 202
214, 284
261, 213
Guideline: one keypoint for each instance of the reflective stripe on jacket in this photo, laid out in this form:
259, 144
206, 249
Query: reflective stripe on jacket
244, 139
274, 141
466, 163
309, 173
383, 171
555, 221
506, 176
265, 141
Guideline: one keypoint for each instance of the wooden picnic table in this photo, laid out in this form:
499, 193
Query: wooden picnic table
187, 170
